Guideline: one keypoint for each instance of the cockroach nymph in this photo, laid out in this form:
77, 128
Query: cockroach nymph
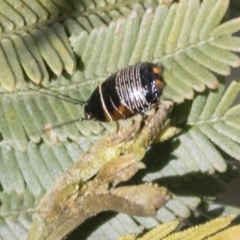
131, 90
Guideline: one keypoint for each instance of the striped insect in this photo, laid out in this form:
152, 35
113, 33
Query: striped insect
131, 90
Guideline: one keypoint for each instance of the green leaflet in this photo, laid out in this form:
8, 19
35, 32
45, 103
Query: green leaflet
217, 111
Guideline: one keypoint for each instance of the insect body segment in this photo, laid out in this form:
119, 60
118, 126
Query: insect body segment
132, 90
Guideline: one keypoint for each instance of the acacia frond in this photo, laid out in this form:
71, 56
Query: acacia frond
70, 47
215, 229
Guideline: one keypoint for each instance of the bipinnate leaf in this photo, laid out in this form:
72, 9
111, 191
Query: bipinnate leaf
70, 47
215, 229
216, 121
90, 48
107, 42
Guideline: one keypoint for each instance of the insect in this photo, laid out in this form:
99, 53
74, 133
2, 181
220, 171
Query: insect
131, 90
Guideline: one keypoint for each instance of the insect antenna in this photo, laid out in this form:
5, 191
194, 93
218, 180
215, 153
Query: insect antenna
66, 123
64, 97
49, 129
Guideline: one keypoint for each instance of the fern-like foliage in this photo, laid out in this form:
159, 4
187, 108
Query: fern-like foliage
163, 34
210, 120
215, 229
70, 47
159, 34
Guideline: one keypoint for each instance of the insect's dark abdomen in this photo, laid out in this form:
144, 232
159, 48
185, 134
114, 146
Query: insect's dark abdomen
131, 90
93, 107
104, 93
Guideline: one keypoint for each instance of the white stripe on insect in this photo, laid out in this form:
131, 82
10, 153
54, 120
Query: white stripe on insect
103, 103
